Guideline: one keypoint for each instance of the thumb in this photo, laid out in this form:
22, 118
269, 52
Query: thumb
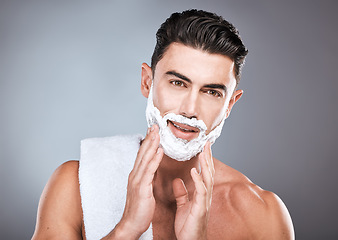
180, 192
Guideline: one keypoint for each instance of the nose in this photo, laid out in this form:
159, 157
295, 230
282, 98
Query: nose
190, 105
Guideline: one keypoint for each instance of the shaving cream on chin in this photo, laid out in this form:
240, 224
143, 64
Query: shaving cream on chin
177, 148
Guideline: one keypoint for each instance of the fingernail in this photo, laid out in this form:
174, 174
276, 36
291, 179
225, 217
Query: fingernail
158, 151
152, 128
153, 138
148, 131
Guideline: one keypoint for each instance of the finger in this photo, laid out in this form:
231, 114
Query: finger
205, 171
146, 144
200, 196
207, 178
152, 167
209, 158
143, 144
180, 192
147, 157
151, 151
210, 161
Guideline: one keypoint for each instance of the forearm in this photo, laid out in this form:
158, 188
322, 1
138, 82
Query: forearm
121, 231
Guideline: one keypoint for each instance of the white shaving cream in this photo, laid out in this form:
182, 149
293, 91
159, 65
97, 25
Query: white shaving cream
177, 148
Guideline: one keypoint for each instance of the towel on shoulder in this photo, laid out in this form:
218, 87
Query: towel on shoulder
105, 164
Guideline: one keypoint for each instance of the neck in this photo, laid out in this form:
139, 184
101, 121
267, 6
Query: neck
168, 170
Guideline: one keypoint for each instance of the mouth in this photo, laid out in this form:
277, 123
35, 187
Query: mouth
183, 131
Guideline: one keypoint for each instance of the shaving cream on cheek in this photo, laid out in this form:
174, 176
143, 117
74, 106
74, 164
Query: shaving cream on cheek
177, 148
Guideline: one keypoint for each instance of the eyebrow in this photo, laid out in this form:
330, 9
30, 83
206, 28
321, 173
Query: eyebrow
217, 86
212, 85
179, 76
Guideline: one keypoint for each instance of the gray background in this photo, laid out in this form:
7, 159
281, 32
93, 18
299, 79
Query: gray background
71, 70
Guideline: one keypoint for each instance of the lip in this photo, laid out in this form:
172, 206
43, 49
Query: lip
183, 131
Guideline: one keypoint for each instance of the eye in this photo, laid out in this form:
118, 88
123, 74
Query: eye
177, 83
214, 93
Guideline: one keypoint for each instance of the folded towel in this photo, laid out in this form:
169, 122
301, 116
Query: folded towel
103, 175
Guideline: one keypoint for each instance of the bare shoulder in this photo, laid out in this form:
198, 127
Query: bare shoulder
261, 213
59, 212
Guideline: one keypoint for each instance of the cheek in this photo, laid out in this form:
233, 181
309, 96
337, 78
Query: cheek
165, 100
214, 116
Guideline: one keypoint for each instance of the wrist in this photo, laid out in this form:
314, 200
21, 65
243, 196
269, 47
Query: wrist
125, 230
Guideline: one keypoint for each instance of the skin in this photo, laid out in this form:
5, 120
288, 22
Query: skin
180, 202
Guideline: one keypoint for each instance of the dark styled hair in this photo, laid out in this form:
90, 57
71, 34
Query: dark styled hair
201, 30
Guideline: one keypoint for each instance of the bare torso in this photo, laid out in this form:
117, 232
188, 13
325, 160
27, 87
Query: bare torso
234, 200
239, 209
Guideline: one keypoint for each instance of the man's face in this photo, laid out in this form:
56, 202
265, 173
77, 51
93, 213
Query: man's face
194, 84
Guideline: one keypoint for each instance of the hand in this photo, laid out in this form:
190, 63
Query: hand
192, 216
140, 202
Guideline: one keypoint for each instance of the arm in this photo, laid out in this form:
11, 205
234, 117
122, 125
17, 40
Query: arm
262, 213
59, 212
140, 202
278, 221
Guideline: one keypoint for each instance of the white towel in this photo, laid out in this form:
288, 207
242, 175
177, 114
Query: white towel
103, 175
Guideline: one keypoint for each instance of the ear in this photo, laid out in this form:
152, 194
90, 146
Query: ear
146, 79
234, 98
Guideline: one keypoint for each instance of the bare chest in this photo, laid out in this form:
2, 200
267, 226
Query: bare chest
224, 222
163, 222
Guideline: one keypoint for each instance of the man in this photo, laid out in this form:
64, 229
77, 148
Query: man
175, 186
